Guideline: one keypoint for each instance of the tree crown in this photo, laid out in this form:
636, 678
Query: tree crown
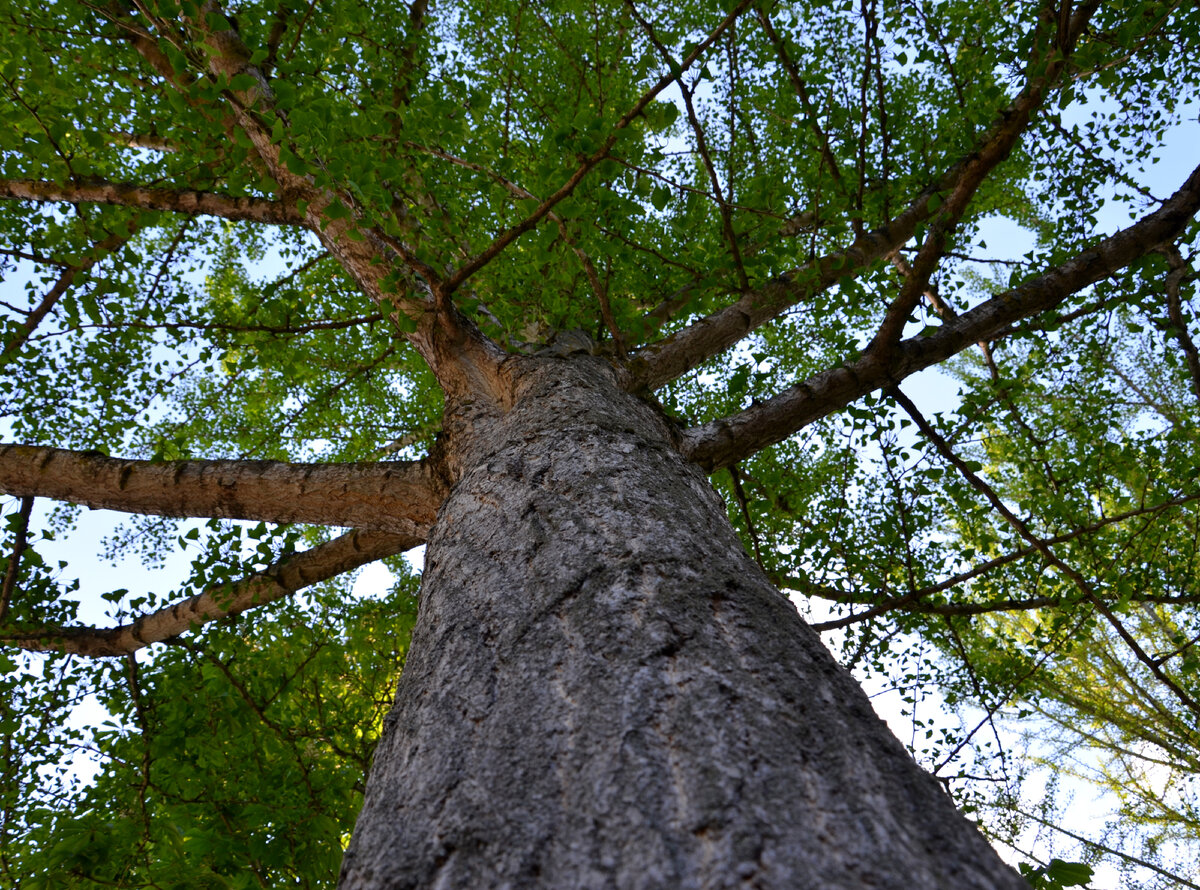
273, 246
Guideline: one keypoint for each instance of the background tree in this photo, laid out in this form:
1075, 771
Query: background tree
546, 259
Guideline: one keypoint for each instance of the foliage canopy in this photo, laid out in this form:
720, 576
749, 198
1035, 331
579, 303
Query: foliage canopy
231, 232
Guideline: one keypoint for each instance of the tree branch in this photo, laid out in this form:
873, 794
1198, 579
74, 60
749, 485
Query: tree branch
506, 237
912, 601
1179, 326
1085, 587
909, 603
803, 94
1016, 119
398, 497
721, 442
14, 561
123, 194
662, 362
39, 312
143, 141
460, 356
522, 193
285, 577
1095, 845
701, 148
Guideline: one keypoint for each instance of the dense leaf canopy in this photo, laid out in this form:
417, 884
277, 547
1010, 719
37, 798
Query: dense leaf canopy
246, 232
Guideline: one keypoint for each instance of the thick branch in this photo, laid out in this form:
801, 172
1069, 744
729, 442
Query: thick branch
721, 442
461, 357
394, 497
123, 194
662, 362
996, 148
342, 554
143, 141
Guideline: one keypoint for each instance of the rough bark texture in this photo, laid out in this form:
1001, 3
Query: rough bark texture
400, 497
604, 691
187, 201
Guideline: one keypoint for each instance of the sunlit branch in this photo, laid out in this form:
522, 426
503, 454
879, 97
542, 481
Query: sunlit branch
143, 141
285, 577
399, 497
123, 194
721, 442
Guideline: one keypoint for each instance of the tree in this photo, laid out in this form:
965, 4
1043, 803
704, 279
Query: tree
509, 281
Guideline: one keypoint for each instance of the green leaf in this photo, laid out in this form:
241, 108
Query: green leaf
243, 82
1068, 874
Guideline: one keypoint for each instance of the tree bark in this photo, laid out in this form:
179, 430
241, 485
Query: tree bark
604, 691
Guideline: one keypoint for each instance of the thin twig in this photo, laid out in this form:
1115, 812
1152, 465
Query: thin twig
740, 494
1040, 544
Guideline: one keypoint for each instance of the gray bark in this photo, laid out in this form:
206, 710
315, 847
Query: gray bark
604, 691
290, 574
400, 497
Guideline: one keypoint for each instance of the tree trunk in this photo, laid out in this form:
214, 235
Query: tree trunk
604, 690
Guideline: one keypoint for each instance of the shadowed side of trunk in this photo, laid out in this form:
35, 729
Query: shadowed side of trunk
603, 690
